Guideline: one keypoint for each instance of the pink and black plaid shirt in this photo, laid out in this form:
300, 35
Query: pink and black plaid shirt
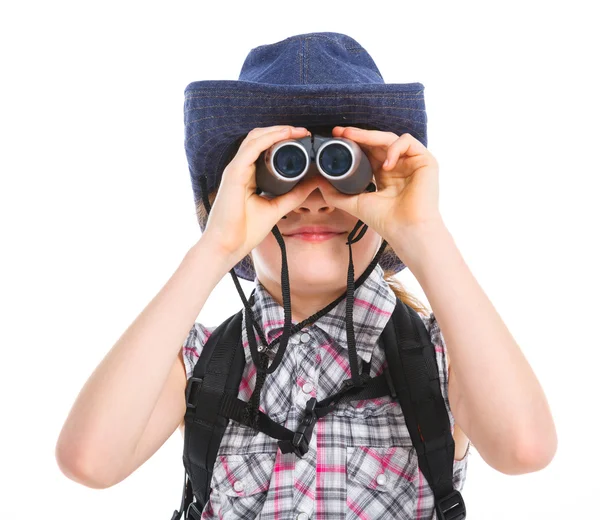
361, 463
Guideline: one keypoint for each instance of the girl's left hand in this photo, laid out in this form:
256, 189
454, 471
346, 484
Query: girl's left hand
407, 186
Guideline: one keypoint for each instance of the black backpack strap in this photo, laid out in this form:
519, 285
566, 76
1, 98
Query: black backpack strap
298, 441
217, 374
413, 368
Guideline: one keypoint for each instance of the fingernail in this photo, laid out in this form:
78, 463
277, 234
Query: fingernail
386, 163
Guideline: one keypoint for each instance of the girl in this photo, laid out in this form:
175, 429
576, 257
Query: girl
360, 462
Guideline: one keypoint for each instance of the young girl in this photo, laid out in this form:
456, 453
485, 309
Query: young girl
359, 440
361, 462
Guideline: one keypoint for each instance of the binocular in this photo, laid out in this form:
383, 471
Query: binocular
341, 161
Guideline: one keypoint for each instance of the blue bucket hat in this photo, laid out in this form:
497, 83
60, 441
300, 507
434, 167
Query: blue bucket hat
320, 79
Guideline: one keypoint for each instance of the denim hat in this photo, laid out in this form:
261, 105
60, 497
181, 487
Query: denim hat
308, 80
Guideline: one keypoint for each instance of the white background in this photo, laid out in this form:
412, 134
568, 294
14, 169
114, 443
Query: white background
97, 208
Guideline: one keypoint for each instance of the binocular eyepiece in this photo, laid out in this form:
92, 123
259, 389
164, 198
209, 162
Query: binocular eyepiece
341, 161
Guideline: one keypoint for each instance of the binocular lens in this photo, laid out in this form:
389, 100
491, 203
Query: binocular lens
335, 159
289, 161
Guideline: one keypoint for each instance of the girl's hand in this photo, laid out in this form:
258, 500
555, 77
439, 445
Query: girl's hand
407, 186
240, 219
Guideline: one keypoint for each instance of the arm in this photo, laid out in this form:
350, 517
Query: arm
495, 397
140, 382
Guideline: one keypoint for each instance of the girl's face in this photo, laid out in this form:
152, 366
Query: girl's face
315, 267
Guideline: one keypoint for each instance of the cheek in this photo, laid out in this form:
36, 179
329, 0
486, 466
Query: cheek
267, 252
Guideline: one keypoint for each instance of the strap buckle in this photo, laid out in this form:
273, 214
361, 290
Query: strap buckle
349, 383
188, 391
301, 439
451, 507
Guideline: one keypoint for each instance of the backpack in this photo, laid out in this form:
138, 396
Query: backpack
411, 377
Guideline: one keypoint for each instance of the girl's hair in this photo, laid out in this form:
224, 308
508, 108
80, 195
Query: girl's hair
403, 295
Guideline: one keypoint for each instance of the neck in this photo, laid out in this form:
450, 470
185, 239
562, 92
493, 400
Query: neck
304, 303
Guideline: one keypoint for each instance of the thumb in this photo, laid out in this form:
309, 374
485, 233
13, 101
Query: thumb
289, 201
343, 201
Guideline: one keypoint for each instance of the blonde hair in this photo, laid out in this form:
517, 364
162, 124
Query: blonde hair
388, 274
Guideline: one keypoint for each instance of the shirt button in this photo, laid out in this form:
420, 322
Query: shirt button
302, 516
307, 388
381, 479
238, 485
305, 338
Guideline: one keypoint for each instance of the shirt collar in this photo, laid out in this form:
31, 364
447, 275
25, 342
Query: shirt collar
374, 302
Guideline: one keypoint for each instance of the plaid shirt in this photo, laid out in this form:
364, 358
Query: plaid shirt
361, 463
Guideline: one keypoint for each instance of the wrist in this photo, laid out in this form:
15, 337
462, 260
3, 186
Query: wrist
413, 244
214, 258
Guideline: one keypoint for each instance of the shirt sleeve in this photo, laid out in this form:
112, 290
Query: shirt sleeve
193, 345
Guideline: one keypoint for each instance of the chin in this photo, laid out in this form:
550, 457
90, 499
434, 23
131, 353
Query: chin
318, 272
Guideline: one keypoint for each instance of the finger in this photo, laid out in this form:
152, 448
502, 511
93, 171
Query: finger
261, 130
343, 201
406, 145
376, 154
250, 149
367, 137
289, 201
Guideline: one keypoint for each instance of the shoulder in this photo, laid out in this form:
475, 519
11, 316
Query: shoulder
198, 335
435, 334
194, 343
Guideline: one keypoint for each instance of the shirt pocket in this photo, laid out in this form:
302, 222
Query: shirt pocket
373, 407
239, 485
381, 482
362, 408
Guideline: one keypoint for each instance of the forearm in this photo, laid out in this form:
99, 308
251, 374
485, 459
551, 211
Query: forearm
501, 405
115, 404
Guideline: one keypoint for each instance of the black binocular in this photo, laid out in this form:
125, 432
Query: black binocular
339, 160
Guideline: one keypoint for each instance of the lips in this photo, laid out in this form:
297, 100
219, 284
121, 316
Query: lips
315, 233
315, 230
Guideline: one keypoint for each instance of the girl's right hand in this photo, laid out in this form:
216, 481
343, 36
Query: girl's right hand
240, 219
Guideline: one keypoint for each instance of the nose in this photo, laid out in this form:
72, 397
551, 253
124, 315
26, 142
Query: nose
314, 203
